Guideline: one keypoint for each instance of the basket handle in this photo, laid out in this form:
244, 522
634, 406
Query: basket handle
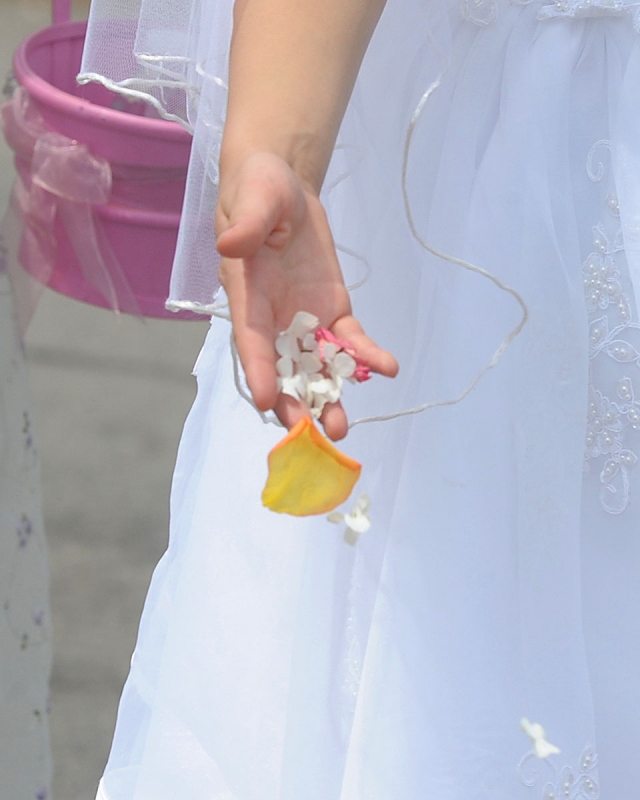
61, 11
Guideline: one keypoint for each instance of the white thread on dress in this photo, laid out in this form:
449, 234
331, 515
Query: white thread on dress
439, 254
456, 262
220, 310
205, 309
476, 12
367, 266
244, 393
125, 89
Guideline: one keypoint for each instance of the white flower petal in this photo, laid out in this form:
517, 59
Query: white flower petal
317, 405
525, 726
309, 363
333, 394
310, 343
294, 387
343, 365
357, 522
284, 367
326, 389
543, 749
289, 389
302, 324
322, 386
350, 536
287, 346
536, 731
329, 351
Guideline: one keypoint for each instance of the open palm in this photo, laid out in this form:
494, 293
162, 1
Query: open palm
279, 258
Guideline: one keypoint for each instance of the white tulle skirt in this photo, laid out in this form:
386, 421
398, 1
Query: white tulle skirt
501, 576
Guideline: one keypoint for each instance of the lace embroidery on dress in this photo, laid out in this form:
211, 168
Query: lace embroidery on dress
580, 9
613, 411
480, 12
485, 12
568, 784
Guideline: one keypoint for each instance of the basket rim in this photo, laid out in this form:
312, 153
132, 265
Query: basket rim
62, 101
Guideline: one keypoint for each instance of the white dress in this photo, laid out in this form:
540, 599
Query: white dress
501, 576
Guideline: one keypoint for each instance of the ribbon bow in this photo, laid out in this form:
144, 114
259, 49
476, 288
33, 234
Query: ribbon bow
60, 178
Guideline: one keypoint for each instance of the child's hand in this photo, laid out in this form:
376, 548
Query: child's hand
279, 258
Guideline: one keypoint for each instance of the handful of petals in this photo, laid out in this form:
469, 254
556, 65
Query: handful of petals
314, 363
307, 474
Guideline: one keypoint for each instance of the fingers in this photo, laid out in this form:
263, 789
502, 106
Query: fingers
333, 419
289, 411
259, 373
379, 360
253, 334
279, 257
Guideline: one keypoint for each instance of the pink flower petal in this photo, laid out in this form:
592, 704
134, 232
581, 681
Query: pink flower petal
362, 371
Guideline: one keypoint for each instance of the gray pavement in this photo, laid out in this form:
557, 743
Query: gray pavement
110, 399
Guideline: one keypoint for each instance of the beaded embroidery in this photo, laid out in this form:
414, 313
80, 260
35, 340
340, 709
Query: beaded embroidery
581, 9
485, 12
614, 416
568, 784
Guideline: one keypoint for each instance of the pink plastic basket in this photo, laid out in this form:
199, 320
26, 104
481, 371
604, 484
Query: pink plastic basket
147, 157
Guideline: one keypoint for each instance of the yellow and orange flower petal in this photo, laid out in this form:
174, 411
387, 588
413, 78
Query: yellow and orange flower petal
307, 474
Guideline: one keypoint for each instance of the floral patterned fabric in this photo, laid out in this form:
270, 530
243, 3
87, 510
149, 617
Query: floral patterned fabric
25, 629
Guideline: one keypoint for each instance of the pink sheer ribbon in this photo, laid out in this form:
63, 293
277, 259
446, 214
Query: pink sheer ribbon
60, 178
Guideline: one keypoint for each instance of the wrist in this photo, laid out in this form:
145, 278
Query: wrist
301, 152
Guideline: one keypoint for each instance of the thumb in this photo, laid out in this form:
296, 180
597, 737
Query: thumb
257, 216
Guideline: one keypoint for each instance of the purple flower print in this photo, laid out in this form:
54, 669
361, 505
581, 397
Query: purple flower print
26, 430
24, 530
38, 616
